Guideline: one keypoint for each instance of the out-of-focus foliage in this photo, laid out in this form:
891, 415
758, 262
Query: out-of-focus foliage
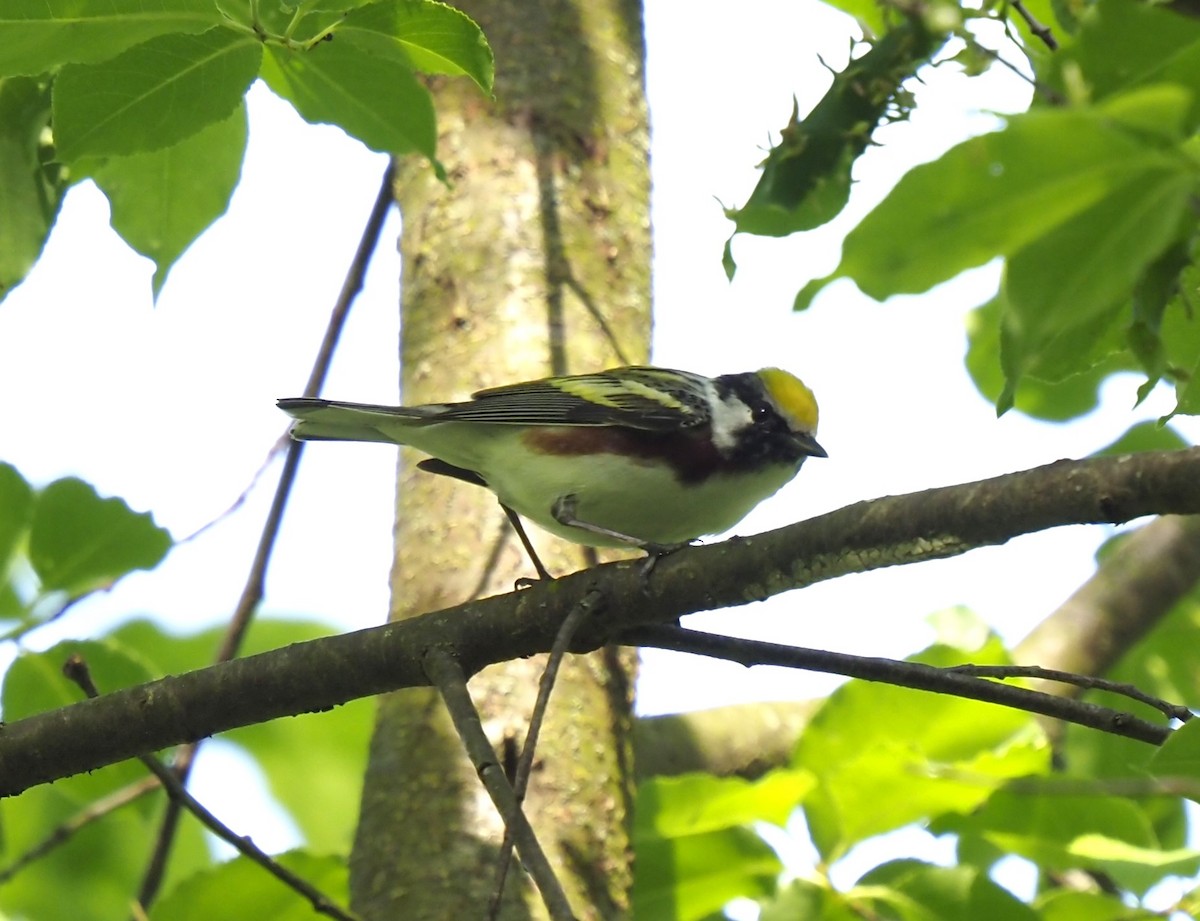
146, 98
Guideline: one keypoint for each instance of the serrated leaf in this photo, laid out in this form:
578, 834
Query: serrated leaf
153, 95
432, 37
162, 200
806, 177
79, 542
31, 189
373, 98
36, 38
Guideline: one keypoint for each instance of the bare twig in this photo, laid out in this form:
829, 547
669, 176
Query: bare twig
75, 668
1041, 31
448, 677
562, 642
1086, 682
281, 445
902, 674
66, 830
252, 592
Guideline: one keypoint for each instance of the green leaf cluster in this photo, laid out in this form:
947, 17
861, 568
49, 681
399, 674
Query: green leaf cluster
146, 97
806, 177
1087, 199
57, 544
102, 863
877, 758
63, 541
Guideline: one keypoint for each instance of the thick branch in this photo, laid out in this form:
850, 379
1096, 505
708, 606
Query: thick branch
323, 673
1135, 586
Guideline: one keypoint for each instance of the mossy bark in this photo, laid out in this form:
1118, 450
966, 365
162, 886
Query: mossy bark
535, 260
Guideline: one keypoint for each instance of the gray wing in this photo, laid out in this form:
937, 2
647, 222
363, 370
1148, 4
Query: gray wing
639, 397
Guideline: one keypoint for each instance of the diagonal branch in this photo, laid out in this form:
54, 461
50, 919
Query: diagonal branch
312, 676
958, 681
444, 672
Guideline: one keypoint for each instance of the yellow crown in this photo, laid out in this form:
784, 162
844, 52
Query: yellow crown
792, 397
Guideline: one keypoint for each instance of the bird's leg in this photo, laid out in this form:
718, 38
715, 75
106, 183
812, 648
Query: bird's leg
564, 513
515, 520
441, 468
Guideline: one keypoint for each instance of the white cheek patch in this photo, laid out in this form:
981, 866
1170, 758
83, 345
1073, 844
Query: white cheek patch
729, 416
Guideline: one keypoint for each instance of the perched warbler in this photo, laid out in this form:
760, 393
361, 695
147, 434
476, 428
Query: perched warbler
638, 456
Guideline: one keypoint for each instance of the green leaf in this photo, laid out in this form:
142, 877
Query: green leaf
1179, 759
432, 37
806, 900
691, 803
1062, 830
806, 177
1179, 337
36, 38
153, 95
31, 187
241, 889
694, 853
1145, 436
992, 196
16, 511
1051, 299
79, 542
1073, 905
105, 859
688, 878
331, 745
102, 863
164, 199
933, 754
1055, 400
1124, 45
916, 891
374, 98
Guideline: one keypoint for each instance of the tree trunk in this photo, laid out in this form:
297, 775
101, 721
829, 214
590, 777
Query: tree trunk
536, 260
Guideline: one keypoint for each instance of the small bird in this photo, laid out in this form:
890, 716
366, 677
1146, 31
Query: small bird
634, 456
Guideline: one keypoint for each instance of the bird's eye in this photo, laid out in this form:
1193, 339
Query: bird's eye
761, 412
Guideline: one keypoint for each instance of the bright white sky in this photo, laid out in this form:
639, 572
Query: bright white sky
172, 406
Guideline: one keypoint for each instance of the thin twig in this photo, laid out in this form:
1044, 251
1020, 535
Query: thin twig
902, 674
447, 676
1041, 31
562, 642
75, 668
66, 830
1088, 682
252, 592
281, 445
